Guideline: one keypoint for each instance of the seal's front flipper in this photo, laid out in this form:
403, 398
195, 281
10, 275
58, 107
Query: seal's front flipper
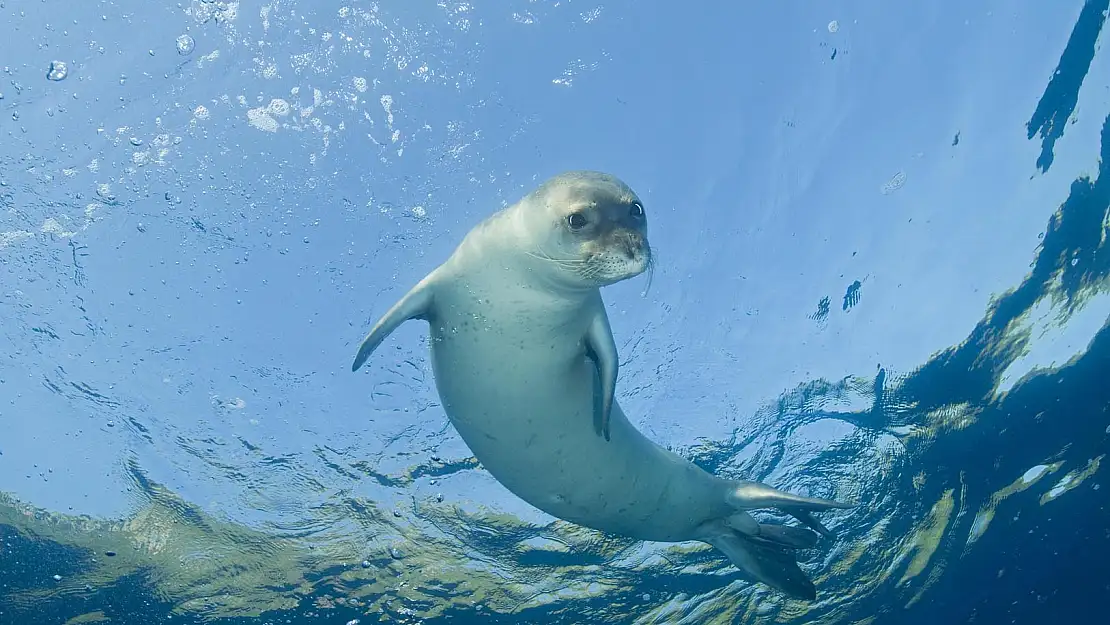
602, 349
416, 304
768, 561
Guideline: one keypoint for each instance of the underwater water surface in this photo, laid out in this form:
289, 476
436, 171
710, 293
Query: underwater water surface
882, 276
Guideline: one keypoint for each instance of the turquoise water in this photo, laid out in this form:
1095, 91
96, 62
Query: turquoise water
882, 276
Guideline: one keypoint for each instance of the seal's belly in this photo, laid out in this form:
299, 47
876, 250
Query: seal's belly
526, 410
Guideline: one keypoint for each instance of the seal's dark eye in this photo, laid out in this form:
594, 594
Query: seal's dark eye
576, 221
637, 210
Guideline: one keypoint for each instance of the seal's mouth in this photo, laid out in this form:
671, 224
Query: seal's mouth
601, 262
624, 255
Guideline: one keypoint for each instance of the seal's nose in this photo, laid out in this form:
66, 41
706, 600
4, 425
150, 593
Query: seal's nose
633, 243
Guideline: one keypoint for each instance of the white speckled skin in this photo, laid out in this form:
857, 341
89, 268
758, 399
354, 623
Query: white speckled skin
509, 313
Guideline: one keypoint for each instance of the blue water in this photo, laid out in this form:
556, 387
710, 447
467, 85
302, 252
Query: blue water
883, 277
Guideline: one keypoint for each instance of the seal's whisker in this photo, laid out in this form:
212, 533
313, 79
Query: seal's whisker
591, 271
651, 275
570, 264
560, 261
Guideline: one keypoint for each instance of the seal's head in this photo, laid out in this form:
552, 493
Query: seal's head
590, 229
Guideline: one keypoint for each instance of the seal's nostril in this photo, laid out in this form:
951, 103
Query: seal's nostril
631, 246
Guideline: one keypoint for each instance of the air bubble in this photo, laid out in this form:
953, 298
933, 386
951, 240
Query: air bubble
58, 71
896, 182
185, 45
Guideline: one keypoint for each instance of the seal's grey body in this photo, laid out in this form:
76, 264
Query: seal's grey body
525, 366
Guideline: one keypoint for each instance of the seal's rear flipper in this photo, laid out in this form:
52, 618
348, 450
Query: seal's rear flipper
744, 495
766, 561
809, 520
416, 304
786, 536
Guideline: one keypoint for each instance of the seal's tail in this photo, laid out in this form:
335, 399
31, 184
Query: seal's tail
768, 557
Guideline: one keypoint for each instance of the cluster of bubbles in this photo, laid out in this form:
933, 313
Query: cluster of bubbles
58, 70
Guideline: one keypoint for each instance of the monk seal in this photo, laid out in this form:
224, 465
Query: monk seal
526, 367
